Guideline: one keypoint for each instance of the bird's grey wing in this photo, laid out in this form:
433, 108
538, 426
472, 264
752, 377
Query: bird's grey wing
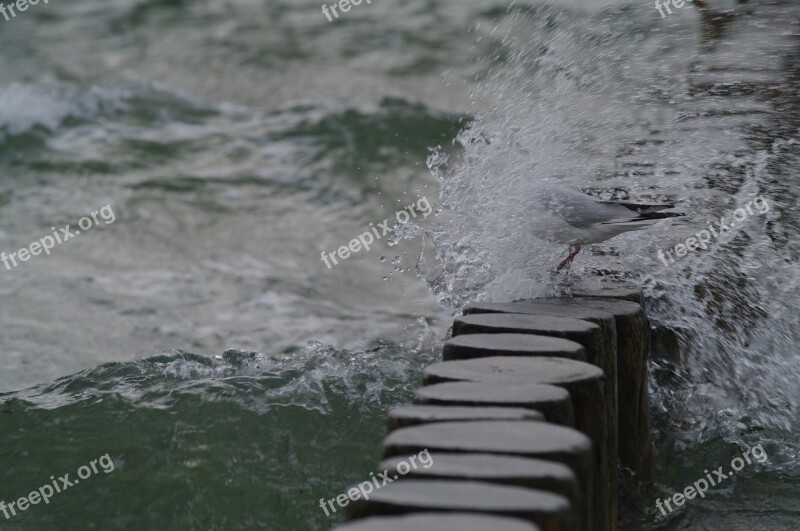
585, 212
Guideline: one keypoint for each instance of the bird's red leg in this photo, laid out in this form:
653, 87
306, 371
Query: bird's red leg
568, 260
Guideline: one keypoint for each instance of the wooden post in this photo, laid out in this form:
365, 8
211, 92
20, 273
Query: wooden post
439, 522
554, 402
482, 345
612, 290
586, 333
503, 469
550, 511
403, 416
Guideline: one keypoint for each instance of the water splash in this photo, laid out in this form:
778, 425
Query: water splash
597, 107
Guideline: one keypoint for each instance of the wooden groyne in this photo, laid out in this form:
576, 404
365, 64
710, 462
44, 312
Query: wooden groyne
522, 420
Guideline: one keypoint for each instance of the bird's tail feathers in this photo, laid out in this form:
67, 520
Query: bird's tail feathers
641, 208
644, 218
659, 215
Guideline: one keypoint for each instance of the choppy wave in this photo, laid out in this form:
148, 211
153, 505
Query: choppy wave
252, 381
265, 434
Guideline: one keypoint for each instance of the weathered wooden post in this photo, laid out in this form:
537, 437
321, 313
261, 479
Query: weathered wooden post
403, 416
609, 289
481, 345
550, 511
554, 402
503, 469
439, 522
586, 333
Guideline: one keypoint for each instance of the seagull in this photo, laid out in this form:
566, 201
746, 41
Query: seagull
579, 219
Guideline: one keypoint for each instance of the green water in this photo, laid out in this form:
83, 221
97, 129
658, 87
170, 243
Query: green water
197, 443
200, 341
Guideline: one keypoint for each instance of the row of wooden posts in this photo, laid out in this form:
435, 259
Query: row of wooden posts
537, 413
